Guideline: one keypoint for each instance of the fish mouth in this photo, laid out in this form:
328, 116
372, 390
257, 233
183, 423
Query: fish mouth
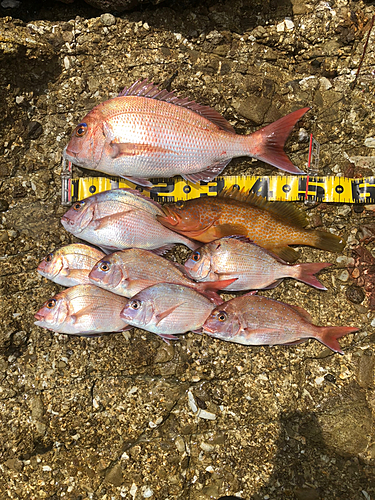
39, 317
207, 330
169, 219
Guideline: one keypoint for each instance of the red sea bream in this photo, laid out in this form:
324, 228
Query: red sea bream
255, 320
147, 133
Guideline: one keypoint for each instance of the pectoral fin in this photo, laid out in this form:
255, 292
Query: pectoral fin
110, 219
85, 311
119, 149
160, 316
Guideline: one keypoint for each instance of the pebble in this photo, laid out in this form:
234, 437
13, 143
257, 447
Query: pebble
370, 142
345, 261
34, 130
147, 492
4, 205
289, 24
114, 476
344, 210
325, 84
108, 19
344, 275
10, 4
355, 294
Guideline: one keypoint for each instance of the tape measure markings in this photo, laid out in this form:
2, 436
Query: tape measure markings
273, 188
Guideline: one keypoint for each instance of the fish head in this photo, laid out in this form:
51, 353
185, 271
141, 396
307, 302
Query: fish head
79, 216
51, 265
223, 322
86, 145
138, 312
198, 264
108, 273
183, 217
53, 313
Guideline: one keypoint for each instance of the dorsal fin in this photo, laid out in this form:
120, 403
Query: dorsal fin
282, 210
147, 89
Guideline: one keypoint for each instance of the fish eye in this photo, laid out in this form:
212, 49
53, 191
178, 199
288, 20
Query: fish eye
81, 129
180, 204
196, 256
77, 206
221, 316
49, 257
51, 303
104, 266
135, 304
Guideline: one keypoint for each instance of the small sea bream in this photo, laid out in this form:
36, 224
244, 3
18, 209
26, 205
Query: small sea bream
127, 272
70, 265
255, 320
167, 309
271, 225
83, 310
148, 133
119, 219
254, 267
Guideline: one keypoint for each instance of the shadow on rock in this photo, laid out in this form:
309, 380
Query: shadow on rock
321, 455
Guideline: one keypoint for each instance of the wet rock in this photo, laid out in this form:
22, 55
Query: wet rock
119, 5
254, 108
4, 205
34, 130
14, 464
307, 494
355, 294
366, 365
115, 476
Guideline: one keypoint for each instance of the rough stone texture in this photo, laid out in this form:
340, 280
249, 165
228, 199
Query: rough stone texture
110, 417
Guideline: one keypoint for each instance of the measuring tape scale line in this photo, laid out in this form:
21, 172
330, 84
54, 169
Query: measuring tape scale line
273, 188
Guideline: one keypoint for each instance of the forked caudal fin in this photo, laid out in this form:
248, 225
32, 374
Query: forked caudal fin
305, 273
329, 335
267, 144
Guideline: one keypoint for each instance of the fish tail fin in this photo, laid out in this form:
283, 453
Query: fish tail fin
305, 273
328, 241
329, 334
267, 144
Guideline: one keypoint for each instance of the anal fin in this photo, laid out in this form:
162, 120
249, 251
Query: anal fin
207, 175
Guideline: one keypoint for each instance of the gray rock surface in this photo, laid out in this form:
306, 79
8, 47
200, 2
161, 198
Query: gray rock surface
125, 415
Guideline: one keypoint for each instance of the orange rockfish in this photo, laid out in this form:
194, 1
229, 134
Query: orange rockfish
147, 133
272, 226
254, 320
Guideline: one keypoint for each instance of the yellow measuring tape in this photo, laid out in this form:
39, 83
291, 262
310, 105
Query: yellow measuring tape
273, 188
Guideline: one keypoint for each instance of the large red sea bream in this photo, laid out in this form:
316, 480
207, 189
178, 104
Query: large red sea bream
147, 133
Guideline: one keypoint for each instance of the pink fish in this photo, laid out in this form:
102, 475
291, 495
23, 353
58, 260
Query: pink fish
147, 133
255, 320
167, 309
129, 271
119, 219
70, 265
253, 266
83, 310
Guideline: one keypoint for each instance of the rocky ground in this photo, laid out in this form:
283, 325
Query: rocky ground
126, 415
